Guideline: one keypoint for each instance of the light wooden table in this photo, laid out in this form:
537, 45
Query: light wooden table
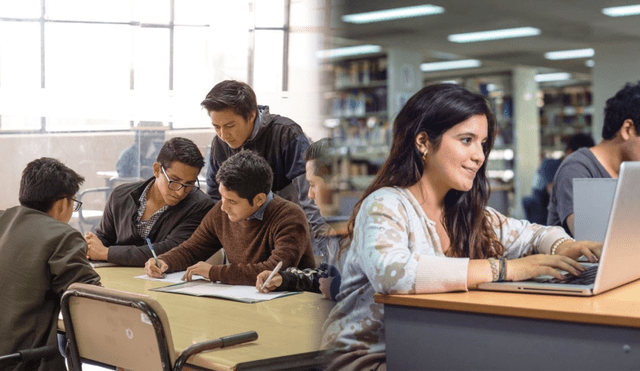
494, 330
289, 328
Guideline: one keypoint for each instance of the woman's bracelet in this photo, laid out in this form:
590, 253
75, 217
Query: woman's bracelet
559, 242
503, 269
495, 271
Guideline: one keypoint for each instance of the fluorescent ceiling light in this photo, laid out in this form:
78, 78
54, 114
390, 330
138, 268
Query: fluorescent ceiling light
450, 65
589, 63
570, 54
507, 33
622, 11
391, 14
558, 76
351, 50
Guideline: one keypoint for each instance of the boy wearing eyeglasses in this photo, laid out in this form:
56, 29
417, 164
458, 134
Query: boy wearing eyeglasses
40, 256
166, 208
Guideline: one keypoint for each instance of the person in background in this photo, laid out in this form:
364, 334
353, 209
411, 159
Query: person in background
40, 256
535, 206
166, 208
256, 228
620, 142
241, 124
326, 278
423, 225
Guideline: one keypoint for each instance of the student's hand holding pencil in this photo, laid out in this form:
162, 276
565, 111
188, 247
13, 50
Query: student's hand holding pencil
153, 270
273, 283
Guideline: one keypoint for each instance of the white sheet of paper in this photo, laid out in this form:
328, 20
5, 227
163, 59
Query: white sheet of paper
174, 277
243, 293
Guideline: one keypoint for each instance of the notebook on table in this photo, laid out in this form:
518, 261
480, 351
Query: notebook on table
620, 260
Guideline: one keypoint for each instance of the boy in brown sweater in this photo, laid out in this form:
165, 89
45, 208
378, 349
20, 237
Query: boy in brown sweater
256, 228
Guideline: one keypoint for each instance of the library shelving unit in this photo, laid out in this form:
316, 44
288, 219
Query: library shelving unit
356, 115
565, 111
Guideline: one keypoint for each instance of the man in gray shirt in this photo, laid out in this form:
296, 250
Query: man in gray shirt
620, 142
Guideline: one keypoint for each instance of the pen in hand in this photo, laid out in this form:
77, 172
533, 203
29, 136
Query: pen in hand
273, 273
154, 255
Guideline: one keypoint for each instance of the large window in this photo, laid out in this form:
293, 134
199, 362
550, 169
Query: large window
104, 65
83, 80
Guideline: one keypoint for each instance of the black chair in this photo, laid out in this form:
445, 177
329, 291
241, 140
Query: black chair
27, 355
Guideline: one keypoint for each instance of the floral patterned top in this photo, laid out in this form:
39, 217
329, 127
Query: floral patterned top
396, 250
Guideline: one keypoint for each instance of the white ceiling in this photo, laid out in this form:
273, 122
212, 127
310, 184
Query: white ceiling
565, 24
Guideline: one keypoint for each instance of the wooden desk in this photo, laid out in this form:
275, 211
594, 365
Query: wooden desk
490, 330
289, 328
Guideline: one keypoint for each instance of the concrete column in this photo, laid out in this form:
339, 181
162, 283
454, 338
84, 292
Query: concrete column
404, 78
615, 65
526, 133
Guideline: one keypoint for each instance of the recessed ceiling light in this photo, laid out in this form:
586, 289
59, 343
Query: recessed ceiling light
622, 11
391, 14
450, 65
589, 63
557, 76
348, 51
507, 33
570, 54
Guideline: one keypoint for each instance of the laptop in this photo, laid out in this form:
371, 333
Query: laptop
592, 200
620, 260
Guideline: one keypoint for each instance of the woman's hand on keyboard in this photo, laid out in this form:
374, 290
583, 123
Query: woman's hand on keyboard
575, 249
541, 264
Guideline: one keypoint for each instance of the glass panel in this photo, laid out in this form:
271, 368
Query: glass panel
19, 75
151, 59
87, 76
267, 68
20, 55
24, 122
152, 11
151, 74
20, 9
307, 14
269, 13
94, 10
194, 12
192, 76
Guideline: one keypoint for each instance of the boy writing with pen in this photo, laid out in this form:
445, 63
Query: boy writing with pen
326, 278
256, 228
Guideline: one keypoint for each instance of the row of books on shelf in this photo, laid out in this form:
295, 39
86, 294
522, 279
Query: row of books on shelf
359, 72
580, 97
373, 135
358, 103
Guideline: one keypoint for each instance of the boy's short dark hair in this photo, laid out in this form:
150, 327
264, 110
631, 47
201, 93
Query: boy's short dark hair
625, 105
580, 140
182, 150
231, 94
45, 181
246, 173
320, 153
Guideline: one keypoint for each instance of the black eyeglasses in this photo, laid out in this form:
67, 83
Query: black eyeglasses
176, 186
76, 204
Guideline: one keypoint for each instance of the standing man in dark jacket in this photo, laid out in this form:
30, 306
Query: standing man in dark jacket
40, 256
166, 208
241, 124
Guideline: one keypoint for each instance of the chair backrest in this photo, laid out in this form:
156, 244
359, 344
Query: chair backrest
118, 328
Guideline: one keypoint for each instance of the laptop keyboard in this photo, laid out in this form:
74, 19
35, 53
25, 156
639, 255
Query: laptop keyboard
586, 278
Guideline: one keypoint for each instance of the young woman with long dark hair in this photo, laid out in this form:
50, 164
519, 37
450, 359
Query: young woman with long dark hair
423, 225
